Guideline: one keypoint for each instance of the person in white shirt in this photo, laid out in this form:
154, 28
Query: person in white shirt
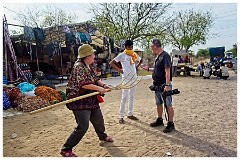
174, 66
128, 59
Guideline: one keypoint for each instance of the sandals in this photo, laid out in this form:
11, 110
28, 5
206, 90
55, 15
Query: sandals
108, 139
121, 121
132, 117
67, 153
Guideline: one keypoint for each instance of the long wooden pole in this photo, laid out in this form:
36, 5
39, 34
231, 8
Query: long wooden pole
67, 101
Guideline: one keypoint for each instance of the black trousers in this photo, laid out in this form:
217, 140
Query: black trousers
82, 118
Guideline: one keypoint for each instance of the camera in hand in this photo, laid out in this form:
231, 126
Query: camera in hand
161, 88
157, 88
169, 93
152, 88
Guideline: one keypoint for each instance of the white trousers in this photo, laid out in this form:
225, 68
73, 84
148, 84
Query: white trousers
127, 94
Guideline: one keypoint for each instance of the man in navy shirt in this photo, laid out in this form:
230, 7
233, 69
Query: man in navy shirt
162, 75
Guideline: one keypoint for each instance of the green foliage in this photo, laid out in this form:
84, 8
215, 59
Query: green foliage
189, 28
233, 50
202, 53
135, 21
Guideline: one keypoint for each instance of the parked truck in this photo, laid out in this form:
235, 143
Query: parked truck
216, 52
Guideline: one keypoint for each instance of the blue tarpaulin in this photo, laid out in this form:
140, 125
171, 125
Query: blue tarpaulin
217, 51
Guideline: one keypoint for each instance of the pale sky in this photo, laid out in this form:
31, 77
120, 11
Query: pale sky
225, 25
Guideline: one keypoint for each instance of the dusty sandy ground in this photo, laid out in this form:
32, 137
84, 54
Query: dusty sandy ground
205, 121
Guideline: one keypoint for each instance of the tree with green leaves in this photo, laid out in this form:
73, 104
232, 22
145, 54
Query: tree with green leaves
189, 28
135, 21
202, 53
233, 50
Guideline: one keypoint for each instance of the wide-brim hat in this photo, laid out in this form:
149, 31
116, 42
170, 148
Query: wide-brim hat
85, 50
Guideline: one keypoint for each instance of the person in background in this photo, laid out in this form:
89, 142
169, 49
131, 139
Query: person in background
128, 59
162, 77
174, 65
83, 80
180, 60
200, 68
211, 59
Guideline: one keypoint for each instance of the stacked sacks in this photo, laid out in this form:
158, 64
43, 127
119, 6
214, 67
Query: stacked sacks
49, 94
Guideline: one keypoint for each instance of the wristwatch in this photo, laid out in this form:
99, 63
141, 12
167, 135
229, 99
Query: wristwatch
167, 85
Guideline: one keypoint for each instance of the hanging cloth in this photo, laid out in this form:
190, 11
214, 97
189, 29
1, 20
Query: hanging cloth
77, 38
121, 44
28, 33
12, 66
56, 47
105, 41
83, 37
68, 37
29, 50
53, 48
49, 49
72, 38
39, 35
66, 29
89, 40
29, 37
111, 42
92, 32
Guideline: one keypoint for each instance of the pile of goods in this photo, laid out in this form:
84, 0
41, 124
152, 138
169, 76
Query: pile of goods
27, 97
48, 94
31, 103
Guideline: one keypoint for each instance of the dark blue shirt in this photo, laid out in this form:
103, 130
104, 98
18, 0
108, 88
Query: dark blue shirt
162, 62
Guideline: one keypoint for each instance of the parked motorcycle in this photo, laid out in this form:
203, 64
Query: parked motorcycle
217, 68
